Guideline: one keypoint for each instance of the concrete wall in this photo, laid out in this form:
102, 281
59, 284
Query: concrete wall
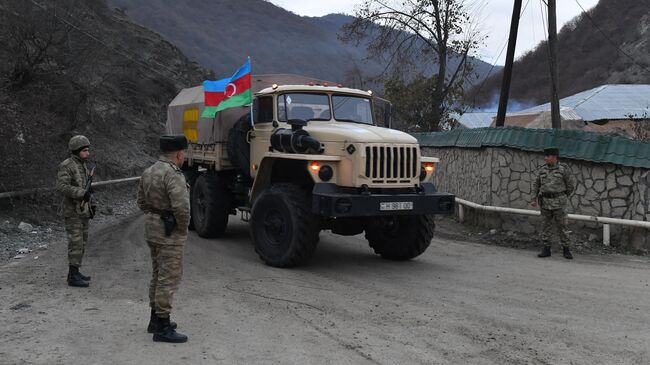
504, 177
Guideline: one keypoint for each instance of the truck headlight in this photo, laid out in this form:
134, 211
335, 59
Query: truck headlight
426, 169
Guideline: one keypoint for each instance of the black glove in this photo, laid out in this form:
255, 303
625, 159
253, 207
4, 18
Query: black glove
86, 196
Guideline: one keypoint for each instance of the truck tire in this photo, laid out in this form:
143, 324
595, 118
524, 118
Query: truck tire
211, 205
238, 146
191, 174
282, 227
400, 238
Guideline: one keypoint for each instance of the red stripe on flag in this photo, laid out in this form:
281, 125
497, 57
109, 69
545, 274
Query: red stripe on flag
238, 86
213, 98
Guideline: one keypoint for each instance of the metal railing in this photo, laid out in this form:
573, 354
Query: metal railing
605, 221
11, 194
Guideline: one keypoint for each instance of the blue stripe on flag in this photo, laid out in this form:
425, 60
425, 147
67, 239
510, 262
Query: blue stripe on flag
216, 85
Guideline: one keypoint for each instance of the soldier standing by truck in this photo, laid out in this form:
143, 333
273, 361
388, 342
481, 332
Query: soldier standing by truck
73, 182
163, 195
552, 188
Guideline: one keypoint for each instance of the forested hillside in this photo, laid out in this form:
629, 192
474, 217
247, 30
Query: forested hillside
77, 66
609, 46
221, 34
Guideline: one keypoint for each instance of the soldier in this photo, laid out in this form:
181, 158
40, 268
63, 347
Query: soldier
163, 195
71, 179
553, 185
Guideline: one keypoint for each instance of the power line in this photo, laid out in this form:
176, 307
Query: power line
96, 39
610, 40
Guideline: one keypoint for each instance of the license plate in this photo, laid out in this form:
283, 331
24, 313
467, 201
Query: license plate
396, 206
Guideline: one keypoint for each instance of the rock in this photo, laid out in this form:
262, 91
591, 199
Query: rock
106, 210
624, 180
18, 257
493, 231
25, 227
592, 237
42, 247
611, 182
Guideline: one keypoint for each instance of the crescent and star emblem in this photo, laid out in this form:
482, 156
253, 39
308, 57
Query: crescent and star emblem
231, 89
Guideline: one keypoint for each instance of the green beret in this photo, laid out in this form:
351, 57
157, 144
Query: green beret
173, 143
551, 151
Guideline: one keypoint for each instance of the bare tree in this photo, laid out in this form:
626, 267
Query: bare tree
407, 32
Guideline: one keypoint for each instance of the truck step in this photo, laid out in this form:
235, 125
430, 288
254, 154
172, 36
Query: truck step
245, 213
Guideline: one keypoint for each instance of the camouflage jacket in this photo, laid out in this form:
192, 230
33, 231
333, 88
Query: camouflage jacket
163, 187
554, 184
70, 181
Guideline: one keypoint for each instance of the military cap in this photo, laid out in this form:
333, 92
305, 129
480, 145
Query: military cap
172, 143
551, 151
78, 142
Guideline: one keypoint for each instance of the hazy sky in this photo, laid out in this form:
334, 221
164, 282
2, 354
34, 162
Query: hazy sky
496, 16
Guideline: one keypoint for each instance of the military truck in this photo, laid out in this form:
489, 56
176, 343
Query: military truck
307, 156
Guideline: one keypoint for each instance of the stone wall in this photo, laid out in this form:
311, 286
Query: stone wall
504, 177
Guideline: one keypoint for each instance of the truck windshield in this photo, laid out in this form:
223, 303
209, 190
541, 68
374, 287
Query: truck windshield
304, 106
352, 109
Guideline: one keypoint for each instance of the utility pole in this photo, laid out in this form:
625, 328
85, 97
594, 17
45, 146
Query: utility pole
552, 61
507, 71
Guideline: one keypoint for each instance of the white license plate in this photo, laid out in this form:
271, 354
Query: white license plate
396, 206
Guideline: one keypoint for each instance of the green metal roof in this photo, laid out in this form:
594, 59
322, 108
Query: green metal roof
580, 145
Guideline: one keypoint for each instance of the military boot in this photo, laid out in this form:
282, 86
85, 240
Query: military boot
74, 279
567, 254
165, 332
546, 251
153, 323
82, 276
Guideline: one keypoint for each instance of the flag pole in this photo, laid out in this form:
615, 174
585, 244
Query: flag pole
252, 124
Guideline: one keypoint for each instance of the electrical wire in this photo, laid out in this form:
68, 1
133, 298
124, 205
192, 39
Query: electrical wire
494, 63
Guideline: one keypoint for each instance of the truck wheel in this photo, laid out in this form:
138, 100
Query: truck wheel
400, 238
191, 174
283, 229
238, 146
211, 205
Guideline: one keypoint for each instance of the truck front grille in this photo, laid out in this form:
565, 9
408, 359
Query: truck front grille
391, 162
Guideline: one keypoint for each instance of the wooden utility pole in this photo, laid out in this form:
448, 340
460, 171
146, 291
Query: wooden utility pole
507, 71
552, 61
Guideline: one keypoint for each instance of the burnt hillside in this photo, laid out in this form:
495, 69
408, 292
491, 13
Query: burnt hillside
586, 57
220, 35
82, 68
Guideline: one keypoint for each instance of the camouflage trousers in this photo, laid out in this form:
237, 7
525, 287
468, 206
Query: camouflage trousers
555, 220
167, 264
77, 231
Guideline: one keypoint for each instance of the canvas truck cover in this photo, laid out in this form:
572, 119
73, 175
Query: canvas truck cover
184, 111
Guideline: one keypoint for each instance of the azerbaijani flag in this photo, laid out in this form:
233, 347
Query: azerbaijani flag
229, 92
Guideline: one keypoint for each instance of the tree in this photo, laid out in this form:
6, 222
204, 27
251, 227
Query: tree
407, 33
412, 109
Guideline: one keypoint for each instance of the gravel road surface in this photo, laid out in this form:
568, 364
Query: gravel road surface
458, 303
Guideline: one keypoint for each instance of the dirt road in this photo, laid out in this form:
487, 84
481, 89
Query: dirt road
459, 303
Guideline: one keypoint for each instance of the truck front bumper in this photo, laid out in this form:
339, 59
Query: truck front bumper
330, 200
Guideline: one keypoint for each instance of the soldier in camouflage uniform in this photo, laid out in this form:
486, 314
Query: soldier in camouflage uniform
70, 181
553, 186
163, 191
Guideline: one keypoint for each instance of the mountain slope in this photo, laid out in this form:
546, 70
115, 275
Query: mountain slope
101, 75
586, 57
221, 34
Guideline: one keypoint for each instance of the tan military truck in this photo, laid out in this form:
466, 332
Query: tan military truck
312, 157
